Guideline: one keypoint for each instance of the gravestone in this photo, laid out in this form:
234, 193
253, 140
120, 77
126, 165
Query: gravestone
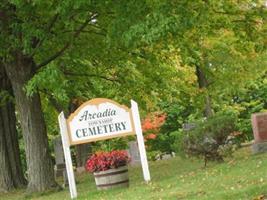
188, 126
60, 167
166, 156
259, 125
59, 157
134, 153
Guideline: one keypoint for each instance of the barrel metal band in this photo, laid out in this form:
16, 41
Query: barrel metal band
110, 184
111, 173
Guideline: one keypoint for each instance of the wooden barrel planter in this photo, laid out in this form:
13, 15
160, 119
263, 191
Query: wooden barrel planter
112, 178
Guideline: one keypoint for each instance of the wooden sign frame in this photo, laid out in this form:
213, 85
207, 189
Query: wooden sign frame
66, 138
96, 102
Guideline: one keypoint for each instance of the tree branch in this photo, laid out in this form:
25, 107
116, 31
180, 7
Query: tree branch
67, 45
98, 27
53, 101
49, 28
87, 31
91, 75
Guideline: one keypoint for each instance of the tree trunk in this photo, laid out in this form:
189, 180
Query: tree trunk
6, 182
82, 153
11, 175
11, 136
39, 162
203, 83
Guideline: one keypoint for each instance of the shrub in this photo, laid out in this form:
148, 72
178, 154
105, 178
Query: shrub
151, 125
209, 137
103, 161
153, 155
177, 113
178, 144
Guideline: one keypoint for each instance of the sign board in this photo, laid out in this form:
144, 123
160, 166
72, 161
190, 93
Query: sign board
100, 119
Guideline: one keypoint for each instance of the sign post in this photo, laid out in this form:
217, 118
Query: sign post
140, 140
100, 119
67, 155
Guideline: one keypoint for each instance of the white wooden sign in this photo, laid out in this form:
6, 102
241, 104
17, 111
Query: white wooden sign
100, 119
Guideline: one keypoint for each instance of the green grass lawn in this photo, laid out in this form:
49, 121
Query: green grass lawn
243, 176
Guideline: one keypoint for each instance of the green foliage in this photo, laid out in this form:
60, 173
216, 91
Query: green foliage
209, 136
162, 143
49, 79
252, 100
110, 145
222, 38
5, 97
152, 155
177, 112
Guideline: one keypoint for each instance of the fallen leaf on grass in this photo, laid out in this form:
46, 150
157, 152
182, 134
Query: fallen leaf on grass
260, 197
231, 162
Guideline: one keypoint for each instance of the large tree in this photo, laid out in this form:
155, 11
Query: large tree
11, 173
33, 34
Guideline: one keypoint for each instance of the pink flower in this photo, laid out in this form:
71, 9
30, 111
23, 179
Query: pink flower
102, 161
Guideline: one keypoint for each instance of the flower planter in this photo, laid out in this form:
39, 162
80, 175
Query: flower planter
112, 178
